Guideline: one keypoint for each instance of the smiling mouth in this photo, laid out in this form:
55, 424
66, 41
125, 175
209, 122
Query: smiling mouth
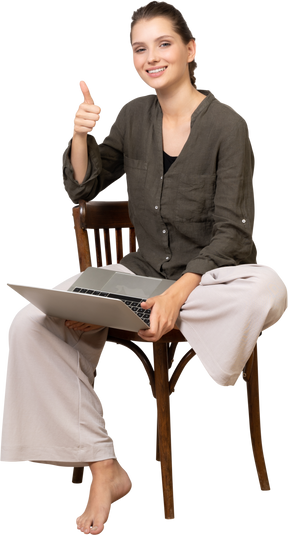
154, 71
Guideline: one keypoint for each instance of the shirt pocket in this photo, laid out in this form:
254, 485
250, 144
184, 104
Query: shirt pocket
195, 198
136, 172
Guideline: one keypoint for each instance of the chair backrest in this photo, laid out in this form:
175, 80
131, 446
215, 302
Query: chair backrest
102, 215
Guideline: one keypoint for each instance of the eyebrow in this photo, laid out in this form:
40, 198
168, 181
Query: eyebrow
158, 39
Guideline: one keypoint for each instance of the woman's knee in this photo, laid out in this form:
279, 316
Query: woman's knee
25, 320
270, 291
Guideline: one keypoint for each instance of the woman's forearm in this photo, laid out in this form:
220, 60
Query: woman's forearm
79, 156
182, 288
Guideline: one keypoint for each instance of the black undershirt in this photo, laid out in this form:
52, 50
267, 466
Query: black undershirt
167, 161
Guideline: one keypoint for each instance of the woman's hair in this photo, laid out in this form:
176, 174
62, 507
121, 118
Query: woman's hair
162, 9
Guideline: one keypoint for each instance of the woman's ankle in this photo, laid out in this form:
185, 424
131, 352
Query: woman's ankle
105, 464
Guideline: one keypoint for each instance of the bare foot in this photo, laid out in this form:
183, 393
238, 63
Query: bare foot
110, 483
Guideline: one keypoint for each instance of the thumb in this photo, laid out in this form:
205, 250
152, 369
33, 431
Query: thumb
148, 303
85, 91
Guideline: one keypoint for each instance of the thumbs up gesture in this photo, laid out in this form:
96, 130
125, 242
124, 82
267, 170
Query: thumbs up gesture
88, 114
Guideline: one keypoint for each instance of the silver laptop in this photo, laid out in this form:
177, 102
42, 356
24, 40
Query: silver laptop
100, 297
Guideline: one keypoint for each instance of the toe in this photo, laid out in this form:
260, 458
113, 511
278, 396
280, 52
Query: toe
79, 525
76, 522
94, 530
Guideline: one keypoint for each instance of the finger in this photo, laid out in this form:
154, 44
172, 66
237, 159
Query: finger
90, 109
83, 125
86, 118
80, 326
101, 107
152, 332
74, 324
85, 91
149, 337
69, 323
142, 334
148, 303
89, 327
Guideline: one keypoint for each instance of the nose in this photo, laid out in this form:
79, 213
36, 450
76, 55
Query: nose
152, 56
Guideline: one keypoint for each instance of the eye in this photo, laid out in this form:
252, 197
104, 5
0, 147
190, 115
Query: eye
139, 50
143, 49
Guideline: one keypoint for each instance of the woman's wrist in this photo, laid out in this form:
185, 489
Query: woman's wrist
182, 288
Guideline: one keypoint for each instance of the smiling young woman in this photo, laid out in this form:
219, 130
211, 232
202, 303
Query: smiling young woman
189, 166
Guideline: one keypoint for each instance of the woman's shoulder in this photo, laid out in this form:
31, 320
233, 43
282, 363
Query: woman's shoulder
226, 115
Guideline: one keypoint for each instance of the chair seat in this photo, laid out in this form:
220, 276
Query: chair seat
173, 336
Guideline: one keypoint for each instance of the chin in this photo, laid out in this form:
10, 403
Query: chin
155, 83
143, 82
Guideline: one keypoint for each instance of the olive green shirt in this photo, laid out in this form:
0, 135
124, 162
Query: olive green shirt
196, 217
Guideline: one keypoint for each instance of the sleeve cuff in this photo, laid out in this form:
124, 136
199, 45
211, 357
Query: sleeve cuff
75, 190
200, 266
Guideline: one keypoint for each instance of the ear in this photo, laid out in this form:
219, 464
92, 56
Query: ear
191, 49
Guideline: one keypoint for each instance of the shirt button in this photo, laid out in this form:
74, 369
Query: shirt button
156, 207
243, 220
161, 177
164, 231
167, 257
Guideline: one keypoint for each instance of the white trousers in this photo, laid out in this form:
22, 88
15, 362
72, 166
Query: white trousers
52, 413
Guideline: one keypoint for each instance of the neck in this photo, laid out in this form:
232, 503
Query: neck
178, 103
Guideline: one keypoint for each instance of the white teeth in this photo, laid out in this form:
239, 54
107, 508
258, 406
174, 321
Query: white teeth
157, 70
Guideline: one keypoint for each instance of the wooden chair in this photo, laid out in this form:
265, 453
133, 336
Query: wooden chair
114, 215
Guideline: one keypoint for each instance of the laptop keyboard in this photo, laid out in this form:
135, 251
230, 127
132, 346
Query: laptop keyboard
134, 303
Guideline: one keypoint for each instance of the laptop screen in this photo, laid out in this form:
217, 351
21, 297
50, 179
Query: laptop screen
137, 286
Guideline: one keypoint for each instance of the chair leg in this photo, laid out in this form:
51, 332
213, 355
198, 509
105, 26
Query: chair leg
157, 444
255, 426
77, 477
164, 432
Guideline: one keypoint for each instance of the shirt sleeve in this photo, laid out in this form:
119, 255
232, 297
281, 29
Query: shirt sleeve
105, 165
233, 216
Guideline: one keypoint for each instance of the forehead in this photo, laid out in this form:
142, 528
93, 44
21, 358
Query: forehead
150, 29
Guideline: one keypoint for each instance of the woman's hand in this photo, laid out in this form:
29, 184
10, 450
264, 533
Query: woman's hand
164, 313
165, 308
84, 327
88, 114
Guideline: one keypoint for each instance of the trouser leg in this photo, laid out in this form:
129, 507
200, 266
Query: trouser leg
52, 413
223, 317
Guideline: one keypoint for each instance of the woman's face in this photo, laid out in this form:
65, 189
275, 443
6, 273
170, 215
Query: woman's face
160, 56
